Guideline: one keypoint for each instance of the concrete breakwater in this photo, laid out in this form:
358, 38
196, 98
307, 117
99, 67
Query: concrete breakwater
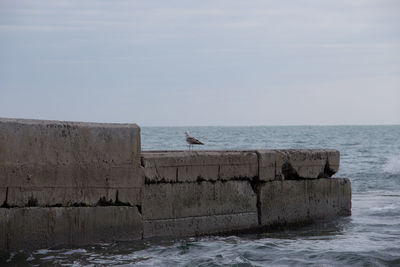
80, 183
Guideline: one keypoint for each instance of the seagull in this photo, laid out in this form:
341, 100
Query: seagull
192, 140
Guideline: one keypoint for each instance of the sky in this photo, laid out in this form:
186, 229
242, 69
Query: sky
217, 62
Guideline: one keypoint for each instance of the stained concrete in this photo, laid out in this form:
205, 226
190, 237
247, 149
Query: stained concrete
56, 176
171, 201
3, 195
267, 165
191, 166
32, 228
67, 162
53, 153
201, 225
4, 233
68, 196
292, 164
297, 201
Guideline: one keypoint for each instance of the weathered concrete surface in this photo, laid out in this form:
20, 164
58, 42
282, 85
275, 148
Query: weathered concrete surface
4, 235
297, 201
3, 195
87, 157
292, 164
32, 228
50, 170
268, 165
171, 201
68, 196
194, 226
191, 166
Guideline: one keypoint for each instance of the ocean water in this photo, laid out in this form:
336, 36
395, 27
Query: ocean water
370, 157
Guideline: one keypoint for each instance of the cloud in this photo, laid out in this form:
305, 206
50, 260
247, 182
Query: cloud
256, 55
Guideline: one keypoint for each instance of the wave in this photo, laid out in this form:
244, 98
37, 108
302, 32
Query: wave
392, 165
384, 208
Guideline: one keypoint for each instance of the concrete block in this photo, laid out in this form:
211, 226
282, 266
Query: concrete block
267, 164
192, 173
89, 225
281, 157
4, 236
203, 225
239, 164
295, 164
312, 163
3, 195
33, 228
54, 153
70, 196
168, 201
299, 201
333, 160
191, 166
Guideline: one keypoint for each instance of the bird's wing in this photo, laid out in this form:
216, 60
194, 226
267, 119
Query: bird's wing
192, 140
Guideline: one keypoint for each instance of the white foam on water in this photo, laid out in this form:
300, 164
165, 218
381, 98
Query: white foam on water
11, 257
74, 251
387, 207
30, 258
392, 165
48, 258
42, 251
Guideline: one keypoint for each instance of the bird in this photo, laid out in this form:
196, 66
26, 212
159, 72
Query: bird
192, 140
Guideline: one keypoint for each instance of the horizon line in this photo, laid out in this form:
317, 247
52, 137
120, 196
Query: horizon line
276, 125
210, 125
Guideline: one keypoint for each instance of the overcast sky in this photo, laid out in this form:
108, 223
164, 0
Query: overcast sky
201, 62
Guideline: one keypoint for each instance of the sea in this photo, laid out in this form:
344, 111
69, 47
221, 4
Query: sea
370, 158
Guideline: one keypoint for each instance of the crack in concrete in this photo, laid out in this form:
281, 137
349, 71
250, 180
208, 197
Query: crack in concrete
5, 204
